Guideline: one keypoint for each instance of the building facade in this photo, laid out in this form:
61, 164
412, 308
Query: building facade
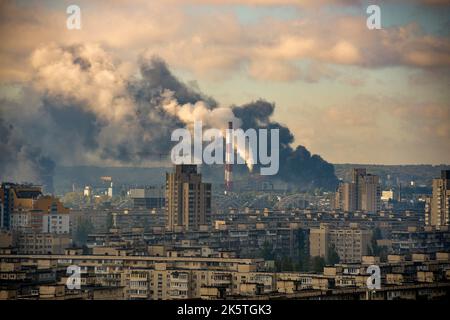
149, 197
437, 210
351, 244
362, 194
15, 197
188, 199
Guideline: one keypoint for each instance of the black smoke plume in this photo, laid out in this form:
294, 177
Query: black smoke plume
21, 161
298, 167
71, 127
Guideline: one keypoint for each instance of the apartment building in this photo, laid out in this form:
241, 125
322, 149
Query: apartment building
149, 197
188, 199
437, 210
363, 193
345, 198
39, 214
43, 243
15, 198
350, 243
420, 240
132, 277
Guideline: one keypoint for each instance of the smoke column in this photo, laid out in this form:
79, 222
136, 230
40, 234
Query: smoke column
79, 107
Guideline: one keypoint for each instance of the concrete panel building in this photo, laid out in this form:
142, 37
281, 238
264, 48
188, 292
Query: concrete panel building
188, 199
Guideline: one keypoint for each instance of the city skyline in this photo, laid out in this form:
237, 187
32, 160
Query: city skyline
122, 242
252, 155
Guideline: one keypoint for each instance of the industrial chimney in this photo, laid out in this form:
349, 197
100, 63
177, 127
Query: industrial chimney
229, 159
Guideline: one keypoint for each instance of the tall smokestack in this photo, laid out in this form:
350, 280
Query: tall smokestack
228, 159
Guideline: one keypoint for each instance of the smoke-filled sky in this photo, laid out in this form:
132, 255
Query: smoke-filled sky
347, 93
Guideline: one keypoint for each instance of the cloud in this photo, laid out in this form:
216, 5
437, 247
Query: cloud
21, 160
381, 129
273, 70
188, 41
301, 3
437, 2
430, 119
344, 52
84, 73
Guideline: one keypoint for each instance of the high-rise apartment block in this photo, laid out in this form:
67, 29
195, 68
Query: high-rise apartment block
363, 193
370, 193
437, 208
346, 197
188, 199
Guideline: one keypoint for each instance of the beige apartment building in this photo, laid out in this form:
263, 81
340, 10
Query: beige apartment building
188, 199
159, 278
437, 209
370, 194
345, 198
43, 243
350, 243
362, 194
149, 278
162, 283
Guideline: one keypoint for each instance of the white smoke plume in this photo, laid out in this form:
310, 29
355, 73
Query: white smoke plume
217, 118
84, 73
188, 113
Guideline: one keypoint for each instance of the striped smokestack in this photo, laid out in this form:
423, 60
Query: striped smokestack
228, 159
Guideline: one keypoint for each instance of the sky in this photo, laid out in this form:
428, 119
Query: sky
349, 94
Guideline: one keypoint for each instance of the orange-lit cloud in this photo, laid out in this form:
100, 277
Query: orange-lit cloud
217, 44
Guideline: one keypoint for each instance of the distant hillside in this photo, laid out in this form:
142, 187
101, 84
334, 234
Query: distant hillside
404, 174
81, 176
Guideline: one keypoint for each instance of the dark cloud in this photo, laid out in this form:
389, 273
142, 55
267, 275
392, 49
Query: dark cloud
297, 166
21, 160
83, 63
72, 122
157, 76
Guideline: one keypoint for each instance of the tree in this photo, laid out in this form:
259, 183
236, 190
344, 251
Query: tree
333, 256
303, 262
377, 235
81, 234
72, 199
267, 251
110, 221
317, 264
284, 264
375, 249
